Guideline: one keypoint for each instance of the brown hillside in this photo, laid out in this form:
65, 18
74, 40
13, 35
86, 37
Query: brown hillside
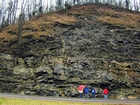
45, 24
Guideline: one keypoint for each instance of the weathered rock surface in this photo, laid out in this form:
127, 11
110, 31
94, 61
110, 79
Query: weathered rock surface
91, 53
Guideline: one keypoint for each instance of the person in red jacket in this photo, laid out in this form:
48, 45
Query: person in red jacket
105, 91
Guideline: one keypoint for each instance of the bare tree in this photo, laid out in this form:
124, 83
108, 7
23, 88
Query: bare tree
127, 4
59, 5
78, 1
136, 5
40, 7
8, 15
14, 12
120, 3
29, 9
1, 11
91, 1
21, 21
67, 7
9, 9
96, 1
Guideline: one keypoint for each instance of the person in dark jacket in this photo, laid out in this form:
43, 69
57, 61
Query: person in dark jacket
93, 92
86, 90
105, 91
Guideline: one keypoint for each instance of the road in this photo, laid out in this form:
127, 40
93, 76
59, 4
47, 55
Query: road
69, 99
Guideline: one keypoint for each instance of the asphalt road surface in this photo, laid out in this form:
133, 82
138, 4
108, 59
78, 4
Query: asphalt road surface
70, 99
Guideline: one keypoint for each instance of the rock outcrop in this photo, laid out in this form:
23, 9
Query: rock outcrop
87, 52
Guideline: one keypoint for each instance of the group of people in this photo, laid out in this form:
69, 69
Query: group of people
85, 92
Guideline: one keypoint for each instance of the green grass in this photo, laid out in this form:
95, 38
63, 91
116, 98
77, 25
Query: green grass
11, 101
2, 100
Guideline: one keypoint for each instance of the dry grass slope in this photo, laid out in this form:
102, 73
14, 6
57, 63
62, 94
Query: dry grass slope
45, 24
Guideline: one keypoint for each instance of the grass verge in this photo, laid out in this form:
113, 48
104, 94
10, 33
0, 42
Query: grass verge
11, 101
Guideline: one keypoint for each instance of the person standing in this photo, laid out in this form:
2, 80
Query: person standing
80, 90
80, 93
86, 90
93, 92
105, 91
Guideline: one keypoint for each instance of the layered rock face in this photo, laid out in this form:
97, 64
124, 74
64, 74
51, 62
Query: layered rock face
88, 52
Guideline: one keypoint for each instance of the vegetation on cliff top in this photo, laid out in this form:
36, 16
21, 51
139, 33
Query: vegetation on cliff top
45, 24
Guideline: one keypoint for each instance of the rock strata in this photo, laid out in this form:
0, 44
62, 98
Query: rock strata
91, 53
